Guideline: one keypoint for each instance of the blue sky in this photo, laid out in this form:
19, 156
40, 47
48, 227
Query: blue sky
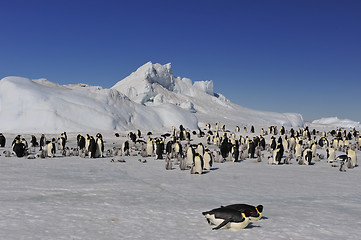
277, 55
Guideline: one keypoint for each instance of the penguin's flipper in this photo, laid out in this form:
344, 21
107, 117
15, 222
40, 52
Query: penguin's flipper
224, 223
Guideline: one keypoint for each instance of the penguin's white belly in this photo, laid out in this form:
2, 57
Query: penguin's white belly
232, 225
238, 225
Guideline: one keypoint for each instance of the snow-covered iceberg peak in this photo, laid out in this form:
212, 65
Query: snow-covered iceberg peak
148, 81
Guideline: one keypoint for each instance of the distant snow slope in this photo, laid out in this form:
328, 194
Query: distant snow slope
154, 84
43, 106
150, 98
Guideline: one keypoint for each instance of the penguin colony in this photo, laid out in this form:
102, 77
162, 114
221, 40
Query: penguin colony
178, 149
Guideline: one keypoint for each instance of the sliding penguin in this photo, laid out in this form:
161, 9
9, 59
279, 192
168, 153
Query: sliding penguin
226, 217
252, 212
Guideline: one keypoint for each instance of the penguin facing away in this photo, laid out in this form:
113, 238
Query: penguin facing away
227, 218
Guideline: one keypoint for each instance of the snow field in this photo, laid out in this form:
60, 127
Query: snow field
76, 198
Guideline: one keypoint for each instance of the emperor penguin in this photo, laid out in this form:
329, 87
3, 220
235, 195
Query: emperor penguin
42, 142
92, 147
292, 143
285, 144
252, 212
237, 129
298, 150
330, 154
207, 160
51, 148
150, 147
61, 143
100, 145
197, 167
307, 156
33, 142
235, 152
178, 148
19, 148
277, 156
80, 142
87, 141
200, 149
125, 148
190, 156
314, 148
2, 140
159, 148
227, 218
353, 159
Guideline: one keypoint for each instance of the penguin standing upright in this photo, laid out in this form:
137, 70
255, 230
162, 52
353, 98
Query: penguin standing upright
353, 159
87, 142
92, 147
150, 147
80, 142
207, 160
2, 140
330, 154
251, 149
51, 150
159, 149
125, 148
200, 149
307, 156
33, 142
190, 156
19, 148
100, 145
42, 141
298, 150
197, 165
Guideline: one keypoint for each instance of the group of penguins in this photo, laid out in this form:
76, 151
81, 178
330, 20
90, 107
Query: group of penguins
178, 148
86, 147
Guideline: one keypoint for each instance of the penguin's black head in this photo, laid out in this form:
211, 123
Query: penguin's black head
260, 208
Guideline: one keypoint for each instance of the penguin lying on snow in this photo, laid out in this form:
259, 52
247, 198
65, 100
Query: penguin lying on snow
252, 212
226, 217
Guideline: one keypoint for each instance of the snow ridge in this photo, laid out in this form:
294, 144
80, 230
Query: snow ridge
151, 98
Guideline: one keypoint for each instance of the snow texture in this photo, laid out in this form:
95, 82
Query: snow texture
82, 198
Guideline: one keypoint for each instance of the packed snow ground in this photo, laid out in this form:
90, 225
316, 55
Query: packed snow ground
82, 198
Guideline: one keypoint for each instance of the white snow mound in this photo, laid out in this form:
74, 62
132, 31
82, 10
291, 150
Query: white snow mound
151, 98
335, 121
42, 106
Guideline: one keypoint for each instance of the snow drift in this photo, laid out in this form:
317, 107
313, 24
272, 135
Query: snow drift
150, 98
